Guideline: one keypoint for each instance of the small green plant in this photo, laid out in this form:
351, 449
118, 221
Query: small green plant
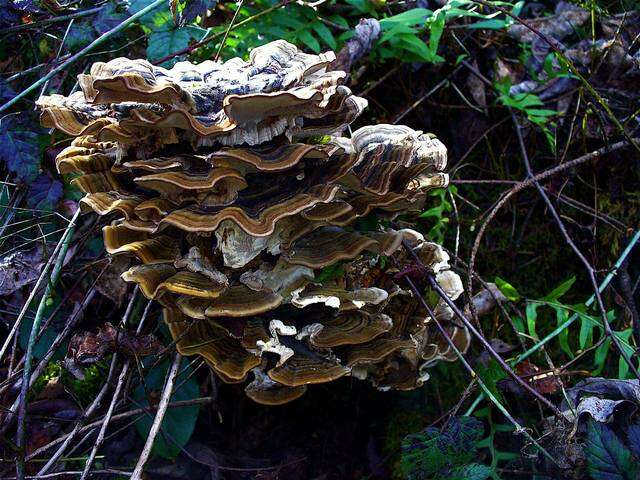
439, 214
447, 454
531, 106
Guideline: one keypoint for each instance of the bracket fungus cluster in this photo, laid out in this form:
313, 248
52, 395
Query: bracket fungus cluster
246, 210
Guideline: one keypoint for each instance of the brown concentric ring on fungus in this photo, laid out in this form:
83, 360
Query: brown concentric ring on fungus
377, 349
104, 203
148, 277
74, 159
328, 245
350, 328
240, 301
219, 186
209, 341
193, 220
191, 284
161, 249
306, 370
265, 391
97, 182
280, 158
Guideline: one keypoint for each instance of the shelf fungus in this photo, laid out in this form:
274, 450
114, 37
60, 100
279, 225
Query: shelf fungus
261, 230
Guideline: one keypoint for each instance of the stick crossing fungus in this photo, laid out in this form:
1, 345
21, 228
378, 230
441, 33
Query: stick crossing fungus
250, 216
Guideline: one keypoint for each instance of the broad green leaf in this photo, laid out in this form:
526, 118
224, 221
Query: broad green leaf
48, 335
436, 27
600, 356
507, 289
149, 19
330, 272
560, 290
410, 18
392, 35
475, 471
284, 18
308, 39
432, 212
623, 366
491, 374
562, 315
80, 34
607, 457
585, 337
493, 24
432, 452
415, 45
339, 20
195, 8
178, 423
165, 42
109, 17
325, 34
531, 311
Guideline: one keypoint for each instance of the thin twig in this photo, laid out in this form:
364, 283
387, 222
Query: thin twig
157, 421
226, 33
43, 275
116, 392
48, 21
26, 372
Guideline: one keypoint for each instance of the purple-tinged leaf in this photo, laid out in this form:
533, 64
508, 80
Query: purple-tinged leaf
44, 193
19, 146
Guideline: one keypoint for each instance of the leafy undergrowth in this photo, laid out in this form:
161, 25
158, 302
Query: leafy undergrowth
472, 73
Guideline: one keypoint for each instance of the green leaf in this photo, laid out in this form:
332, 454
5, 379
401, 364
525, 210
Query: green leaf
436, 29
48, 335
325, 34
475, 471
623, 338
585, 337
600, 357
507, 289
109, 17
491, 374
196, 8
308, 39
415, 45
493, 24
330, 272
80, 34
410, 18
562, 315
531, 311
607, 457
560, 290
149, 20
165, 42
178, 423
431, 453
